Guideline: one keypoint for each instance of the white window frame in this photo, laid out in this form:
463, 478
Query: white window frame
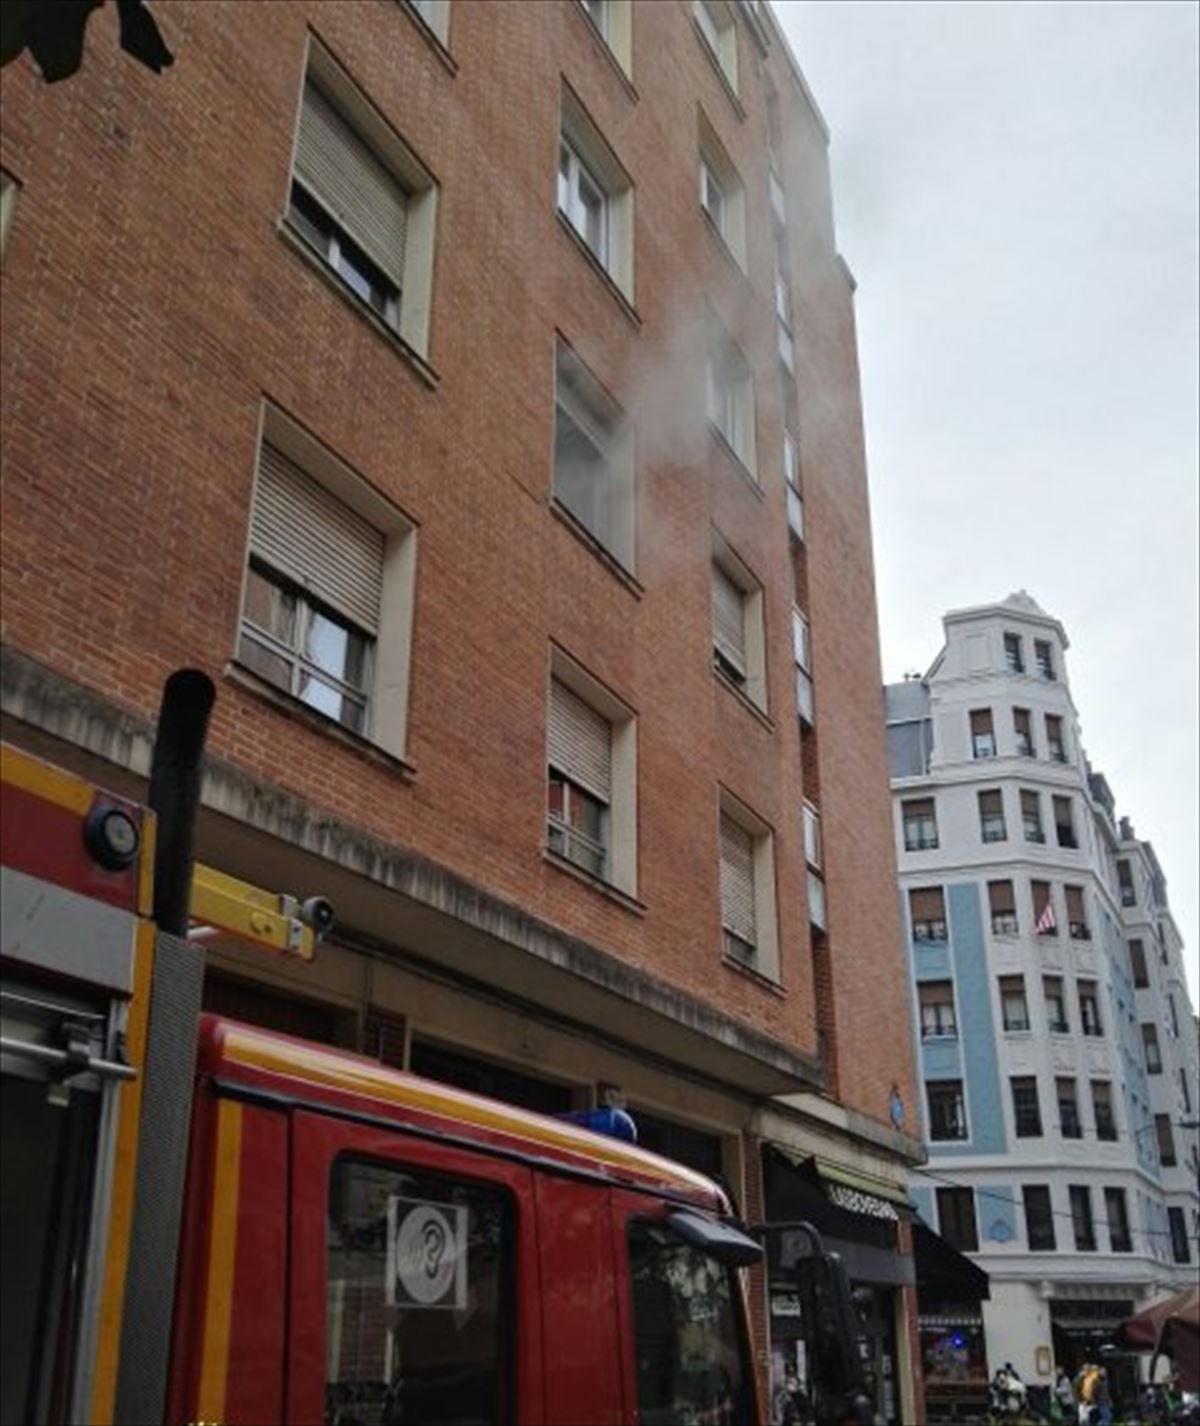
814, 849
729, 398
581, 398
590, 159
386, 720
572, 203
762, 839
613, 25
754, 644
715, 25
729, 218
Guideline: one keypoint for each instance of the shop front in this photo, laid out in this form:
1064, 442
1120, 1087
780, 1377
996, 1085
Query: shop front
950, 1293
864, 1229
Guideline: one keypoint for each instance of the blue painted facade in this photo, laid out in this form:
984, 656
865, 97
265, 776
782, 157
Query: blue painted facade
1123, 1026
922, 1201
996, 1213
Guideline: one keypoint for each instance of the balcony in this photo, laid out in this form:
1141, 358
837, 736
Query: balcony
816, 902
1079, 930
923, 931
795, 512
1004, 923
804, 697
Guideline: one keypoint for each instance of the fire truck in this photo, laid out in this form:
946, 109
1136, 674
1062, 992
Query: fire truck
204, 1221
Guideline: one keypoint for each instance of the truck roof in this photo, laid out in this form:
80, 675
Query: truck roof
306, 1073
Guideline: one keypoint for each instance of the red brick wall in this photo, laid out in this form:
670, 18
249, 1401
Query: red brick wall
150, 306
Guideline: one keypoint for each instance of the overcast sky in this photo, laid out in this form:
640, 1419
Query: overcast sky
1015, 189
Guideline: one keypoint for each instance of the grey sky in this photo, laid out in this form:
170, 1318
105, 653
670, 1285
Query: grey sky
1016, 191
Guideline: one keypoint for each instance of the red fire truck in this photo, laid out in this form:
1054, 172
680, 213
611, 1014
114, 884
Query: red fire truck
205, 1221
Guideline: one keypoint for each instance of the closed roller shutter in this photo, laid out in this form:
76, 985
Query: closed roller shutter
737, 881
342, 172
303, 532
729, 625
580, 742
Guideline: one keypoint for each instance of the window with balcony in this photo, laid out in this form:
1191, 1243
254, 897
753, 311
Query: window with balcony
1056, 1005
1081, 1218
1117, 1213
947, 1115
595, 194
1068, 1109
1064, 822
1125, 883
1027, 1113
1137, 964
1056, 749
1150, 1049
1102, 1110
1014, 657
983, 735
1023, 732
1180, 1248
1045, 923
1003, 907
593, 458
1031, 816
928, 912
991, 816
1039, 1218
956, 1218
1043, 657
1077, 922
1014, 1008
920, 825
1089, 1008
935, 999
1166, 1141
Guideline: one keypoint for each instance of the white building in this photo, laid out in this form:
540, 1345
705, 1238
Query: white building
1052, 1019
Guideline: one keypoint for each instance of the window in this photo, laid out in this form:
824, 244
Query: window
1173, 1016
1125, 882
1003, 908
1077, 923
1081, 1218
991, 817
956, 1218
595, 194
747, 885
691, 1362
928, 911
1102, 1108
1043, 656
1056, 1005
612, 20
591, 806
722, 195
920, 825
331, 565
936, 1001
947, 1117
1014, 659
436, 14
812, 836
1118, 1220
1089, 1008
801, 653
1064, 822
730, 397
1068, 1109
739, 653
1023, 731
1137, 962
1166, 1140
1014, 1010
983, 737
1027, 1114
1150, 1048
1039, 1218
1180, 1249
1185, 1093
714, 21
791, 477
1044, 921
1055, 747
593, 458
1031, 816
9, 189
362, 201
383, 1323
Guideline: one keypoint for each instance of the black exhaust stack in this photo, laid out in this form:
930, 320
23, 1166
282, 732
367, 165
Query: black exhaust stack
175, 773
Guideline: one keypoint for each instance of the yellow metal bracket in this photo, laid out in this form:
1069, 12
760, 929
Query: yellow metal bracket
275, 922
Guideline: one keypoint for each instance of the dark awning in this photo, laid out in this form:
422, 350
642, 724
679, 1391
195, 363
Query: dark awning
943, 1273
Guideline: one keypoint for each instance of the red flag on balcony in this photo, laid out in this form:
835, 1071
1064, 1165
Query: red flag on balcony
1046, 924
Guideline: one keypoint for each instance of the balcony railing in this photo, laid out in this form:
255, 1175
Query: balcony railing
920, 839
1034, 833
1025, 748
1004, 923
1060, 1027
1080, 931
795, 511
1106, 1126
983, 745
1057, 754
1128, 896
929, 931
1068, 1117
1067, 838
994, 831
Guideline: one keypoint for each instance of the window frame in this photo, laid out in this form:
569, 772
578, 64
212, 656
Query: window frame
958, 1220
714, 23
729, 400
1083, 1218
1106, 1121
1011, 989
938, 1090
937, 996
590, 155
1091, 1022
922, 840
1047, 1241
1027, 1111
765, 959
993, 825
750, 679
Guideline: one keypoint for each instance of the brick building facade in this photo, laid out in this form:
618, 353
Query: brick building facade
383, 360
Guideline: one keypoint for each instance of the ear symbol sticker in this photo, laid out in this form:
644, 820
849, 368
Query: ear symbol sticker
427, 1254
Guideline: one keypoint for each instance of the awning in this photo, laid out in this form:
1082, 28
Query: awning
1172, 1326
943, 1273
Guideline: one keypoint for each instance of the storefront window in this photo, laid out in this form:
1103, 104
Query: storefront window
952, 1352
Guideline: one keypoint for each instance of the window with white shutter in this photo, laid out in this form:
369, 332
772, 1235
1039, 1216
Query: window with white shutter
579, 782
737, 890
729, 625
